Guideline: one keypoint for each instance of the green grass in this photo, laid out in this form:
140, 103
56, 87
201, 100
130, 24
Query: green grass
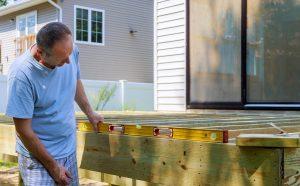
7, 165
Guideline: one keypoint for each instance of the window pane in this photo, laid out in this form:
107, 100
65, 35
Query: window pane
85, 25
99, 27
31, 21
78, 24
84, 14
78, 35
94, 16
94, 37
215, 48
22, 26
78, 13
99, 16
273, 51
94, 26
99, 38
31, 30
84, 36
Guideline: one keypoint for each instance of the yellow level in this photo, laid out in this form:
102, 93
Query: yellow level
201, 135
103, 127
165, 132
85, 126
138, 130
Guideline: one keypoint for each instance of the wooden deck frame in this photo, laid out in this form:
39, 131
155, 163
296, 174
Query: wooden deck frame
133, 160
179, 162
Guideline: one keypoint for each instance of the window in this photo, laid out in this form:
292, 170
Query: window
273, 52
26, 24
215, 42
89, 25
243, 55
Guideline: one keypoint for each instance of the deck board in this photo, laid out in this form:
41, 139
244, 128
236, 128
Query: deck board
236, 122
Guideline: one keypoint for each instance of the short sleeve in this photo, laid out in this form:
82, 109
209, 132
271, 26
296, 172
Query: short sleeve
20, 103
76, 57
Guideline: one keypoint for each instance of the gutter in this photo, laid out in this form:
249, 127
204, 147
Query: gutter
58, 7
19, 5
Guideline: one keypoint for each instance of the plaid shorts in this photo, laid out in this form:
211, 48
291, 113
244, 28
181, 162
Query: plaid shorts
33, 172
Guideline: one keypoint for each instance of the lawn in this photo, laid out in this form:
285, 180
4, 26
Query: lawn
7, 165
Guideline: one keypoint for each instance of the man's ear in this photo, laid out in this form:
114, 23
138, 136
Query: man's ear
39, 53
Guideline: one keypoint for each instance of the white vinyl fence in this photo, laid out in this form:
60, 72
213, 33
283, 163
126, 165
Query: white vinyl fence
107, 95
3, 93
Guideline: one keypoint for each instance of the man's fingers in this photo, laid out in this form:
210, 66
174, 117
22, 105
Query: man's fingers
68, 174
95, 127
65, 176
66, 180
102, 119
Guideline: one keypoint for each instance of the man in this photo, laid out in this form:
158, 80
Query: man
42, 86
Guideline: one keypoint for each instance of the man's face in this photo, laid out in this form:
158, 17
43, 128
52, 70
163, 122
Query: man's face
59, 54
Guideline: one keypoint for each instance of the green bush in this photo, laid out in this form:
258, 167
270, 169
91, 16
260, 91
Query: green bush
105, 93
3, 2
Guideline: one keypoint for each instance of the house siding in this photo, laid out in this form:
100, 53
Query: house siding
170, 55
45, 13
123, 56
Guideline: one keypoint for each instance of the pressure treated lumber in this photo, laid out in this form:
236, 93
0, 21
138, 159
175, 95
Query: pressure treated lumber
178, 162
268, 140
113, 179
291, 166
170, 162
8, 158
200, 120
7, 139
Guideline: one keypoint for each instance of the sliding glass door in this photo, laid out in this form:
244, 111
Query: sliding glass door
240, 60
215, 48
273, 51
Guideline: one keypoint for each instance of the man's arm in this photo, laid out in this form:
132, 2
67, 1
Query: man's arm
34, 145
85, 106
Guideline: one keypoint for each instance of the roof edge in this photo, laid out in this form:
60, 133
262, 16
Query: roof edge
19, 5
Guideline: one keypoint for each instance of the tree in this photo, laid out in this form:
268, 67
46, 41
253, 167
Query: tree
3, 2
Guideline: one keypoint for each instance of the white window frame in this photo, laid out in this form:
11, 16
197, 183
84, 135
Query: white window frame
26, 28
89, 42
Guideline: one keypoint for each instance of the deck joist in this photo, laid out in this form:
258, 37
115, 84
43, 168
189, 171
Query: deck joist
136, 160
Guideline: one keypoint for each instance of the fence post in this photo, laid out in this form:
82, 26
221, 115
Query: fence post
123, 92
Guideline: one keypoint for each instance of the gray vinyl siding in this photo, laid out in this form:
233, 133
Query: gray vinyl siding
45, 13
169, 55
124, 56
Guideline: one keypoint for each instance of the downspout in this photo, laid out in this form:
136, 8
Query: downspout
58, 7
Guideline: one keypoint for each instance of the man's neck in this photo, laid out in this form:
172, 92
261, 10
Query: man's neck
33, 51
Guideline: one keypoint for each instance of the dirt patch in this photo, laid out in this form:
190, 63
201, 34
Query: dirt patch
9, 176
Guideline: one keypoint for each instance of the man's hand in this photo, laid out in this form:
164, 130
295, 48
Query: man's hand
95, 119
34, 145
82, 101
61, 176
